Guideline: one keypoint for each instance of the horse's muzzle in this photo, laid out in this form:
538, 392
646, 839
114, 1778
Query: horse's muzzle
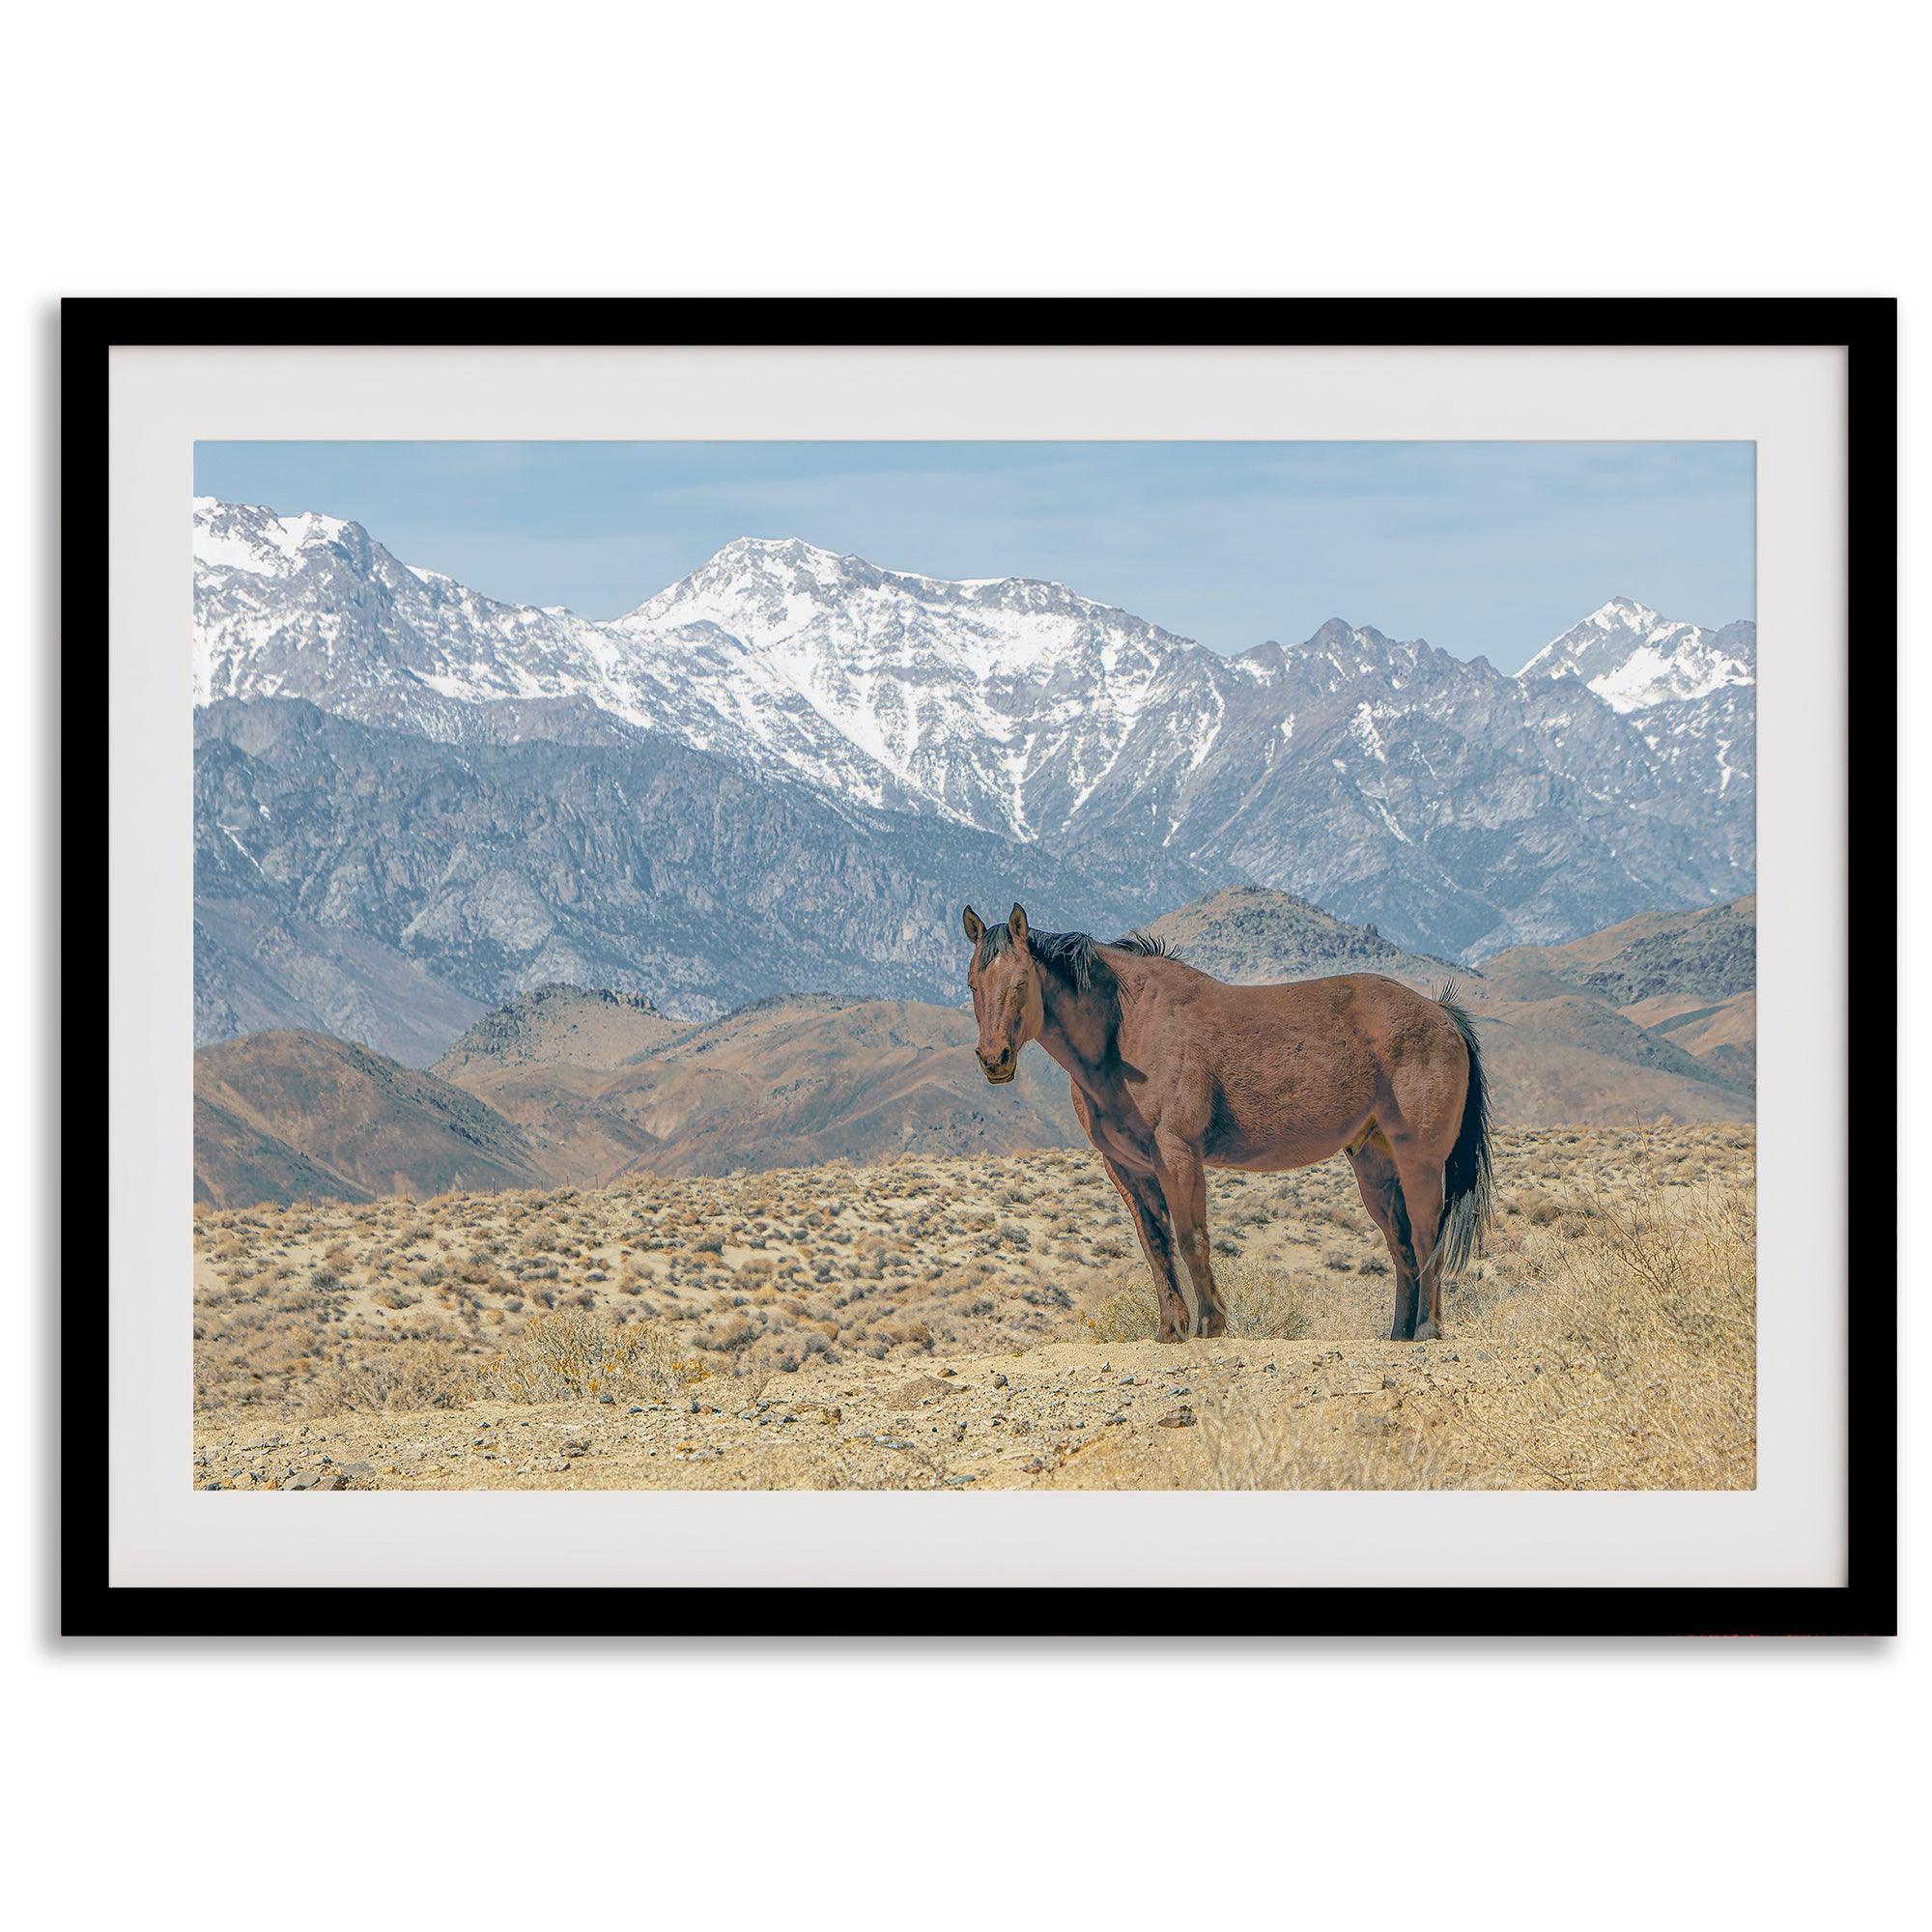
1000, 1068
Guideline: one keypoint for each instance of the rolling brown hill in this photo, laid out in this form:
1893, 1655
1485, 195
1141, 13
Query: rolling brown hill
238, 1165
562, 1026
1723, 1035
281, 1116
1688, 980
1588, 1024
1541, 1079
568, 1087
1711, 953
784, 1083
794, 1082
1251, 936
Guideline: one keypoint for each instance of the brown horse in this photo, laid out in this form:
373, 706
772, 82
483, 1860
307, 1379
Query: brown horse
1174, 1072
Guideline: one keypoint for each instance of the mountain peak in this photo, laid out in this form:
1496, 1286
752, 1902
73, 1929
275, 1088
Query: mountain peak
251, 538
764, 590
1339, 631
1633, 658
794, 554
783, 550
1360, 648
771, 573
1622, 612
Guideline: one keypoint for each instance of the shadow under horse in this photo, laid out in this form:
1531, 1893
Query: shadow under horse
1174, 1072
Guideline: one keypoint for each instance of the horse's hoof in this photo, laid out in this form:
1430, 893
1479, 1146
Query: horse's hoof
1427, 1331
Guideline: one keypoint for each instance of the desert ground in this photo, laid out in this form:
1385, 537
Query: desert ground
976, 1322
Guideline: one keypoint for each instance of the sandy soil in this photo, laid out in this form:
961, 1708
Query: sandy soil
1073, 1415
971, 1326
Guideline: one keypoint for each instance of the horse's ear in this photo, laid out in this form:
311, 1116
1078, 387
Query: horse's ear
1016, 924
975, 925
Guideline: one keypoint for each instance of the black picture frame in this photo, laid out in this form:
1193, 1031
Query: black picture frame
1866, 327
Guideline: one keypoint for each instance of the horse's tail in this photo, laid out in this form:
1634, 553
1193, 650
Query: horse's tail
1466, 1176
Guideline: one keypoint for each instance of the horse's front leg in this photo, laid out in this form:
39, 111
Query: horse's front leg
1184, 1185
1150, 1217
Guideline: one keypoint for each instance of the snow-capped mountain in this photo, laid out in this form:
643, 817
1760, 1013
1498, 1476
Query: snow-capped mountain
1460, 808
1690, 692
998, 702
983, 701
1632, 659
311, 607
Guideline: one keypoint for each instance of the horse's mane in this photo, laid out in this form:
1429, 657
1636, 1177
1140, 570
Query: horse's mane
1151, 945
1075, 957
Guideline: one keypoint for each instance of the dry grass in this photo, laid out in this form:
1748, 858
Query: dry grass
406, 1376
1246, 1449
1263, 1303
1638, 1334
1606, 1338
575, 1356
1647, 1320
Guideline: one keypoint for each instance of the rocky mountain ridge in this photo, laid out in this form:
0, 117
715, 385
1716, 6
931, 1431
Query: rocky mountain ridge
1459, 809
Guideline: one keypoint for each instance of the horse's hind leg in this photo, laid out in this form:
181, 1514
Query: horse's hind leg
1150, 1217
1422, 1195
1376, 1175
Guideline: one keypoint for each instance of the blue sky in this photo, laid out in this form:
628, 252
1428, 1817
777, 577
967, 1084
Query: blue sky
1489, 548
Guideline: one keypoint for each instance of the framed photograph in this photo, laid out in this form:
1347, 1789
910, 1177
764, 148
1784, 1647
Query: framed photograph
956, 966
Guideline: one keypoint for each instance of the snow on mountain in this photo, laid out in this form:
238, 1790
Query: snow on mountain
1632, 659
888, 688
1458, 807
310, 607
993, 701
313, 607
231, 536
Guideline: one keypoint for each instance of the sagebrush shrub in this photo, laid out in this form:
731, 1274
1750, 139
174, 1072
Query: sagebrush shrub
575, 1355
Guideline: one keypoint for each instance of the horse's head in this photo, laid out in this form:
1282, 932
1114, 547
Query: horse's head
1005, 979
